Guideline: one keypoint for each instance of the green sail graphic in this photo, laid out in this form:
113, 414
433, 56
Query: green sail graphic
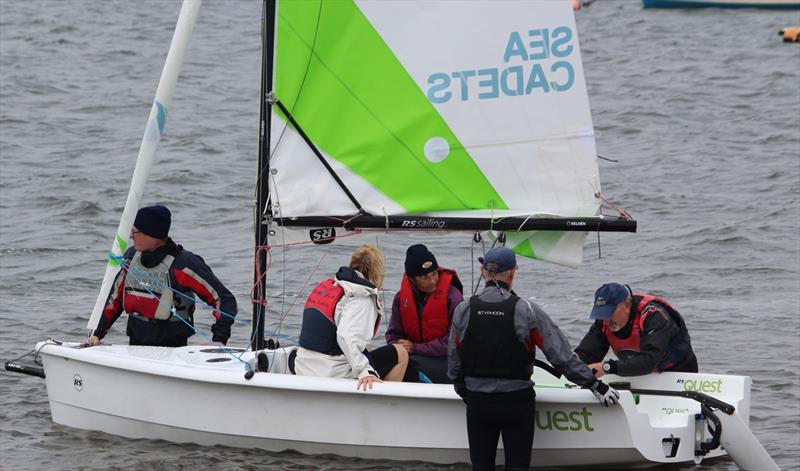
358, 104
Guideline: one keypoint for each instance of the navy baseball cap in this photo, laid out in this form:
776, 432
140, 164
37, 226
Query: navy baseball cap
606, 299
498, 260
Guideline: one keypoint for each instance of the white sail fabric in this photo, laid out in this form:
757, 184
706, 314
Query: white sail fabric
457, 109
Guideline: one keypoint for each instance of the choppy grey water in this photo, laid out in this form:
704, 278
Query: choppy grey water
700, 108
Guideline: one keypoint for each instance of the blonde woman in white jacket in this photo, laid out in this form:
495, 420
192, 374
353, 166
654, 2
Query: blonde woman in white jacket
341, 317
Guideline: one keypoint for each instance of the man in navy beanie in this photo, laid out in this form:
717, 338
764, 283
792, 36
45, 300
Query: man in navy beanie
158, 285
153, 221
422, 310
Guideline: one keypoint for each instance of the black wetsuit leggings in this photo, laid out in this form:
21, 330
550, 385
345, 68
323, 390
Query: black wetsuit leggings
510, 414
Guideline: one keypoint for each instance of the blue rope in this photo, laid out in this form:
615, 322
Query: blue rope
156, 282
121, 261
146, 276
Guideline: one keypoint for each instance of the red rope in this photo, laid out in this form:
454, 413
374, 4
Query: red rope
302, 290
257, 295
611, 205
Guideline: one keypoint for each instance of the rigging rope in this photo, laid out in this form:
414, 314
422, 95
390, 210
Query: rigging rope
297, 295
140, 275
624, 214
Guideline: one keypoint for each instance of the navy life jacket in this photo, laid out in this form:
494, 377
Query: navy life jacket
490, 347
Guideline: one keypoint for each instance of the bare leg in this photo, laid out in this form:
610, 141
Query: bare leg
399, 370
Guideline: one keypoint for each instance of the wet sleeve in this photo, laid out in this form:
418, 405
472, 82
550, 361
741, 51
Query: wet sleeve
199, 278
653, 346
113, 307
549, 338
594, 346
458, 328
395, 330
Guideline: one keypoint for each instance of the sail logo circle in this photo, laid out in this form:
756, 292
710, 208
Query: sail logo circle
436, 149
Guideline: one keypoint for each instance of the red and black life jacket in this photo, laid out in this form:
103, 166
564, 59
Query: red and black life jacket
148, 291
679, 346
318, 332
433, 322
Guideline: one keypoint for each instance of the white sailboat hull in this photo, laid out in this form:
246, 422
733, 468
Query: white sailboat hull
177, 395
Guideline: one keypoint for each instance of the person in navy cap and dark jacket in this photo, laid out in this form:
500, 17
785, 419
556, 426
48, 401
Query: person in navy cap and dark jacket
422, 310
645, 332
157, 288
490, 360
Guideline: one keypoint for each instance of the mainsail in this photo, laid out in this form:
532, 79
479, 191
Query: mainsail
392, 117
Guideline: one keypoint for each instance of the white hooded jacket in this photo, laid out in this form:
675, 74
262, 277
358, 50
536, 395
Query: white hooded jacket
355, 317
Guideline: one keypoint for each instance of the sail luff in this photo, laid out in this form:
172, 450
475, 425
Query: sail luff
156, 123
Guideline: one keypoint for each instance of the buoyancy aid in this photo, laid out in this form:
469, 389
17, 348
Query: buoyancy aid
491, 347
434, 321
148, 291
679, 345
318, 331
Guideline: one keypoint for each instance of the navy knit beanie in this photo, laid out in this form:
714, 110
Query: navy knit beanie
420, 261
153, 221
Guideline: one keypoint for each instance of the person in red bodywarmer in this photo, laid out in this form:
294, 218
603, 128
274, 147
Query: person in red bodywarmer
422, 311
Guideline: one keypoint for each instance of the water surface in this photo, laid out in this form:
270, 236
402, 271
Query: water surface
700, 108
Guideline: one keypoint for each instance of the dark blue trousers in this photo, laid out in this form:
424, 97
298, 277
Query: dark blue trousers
508, 414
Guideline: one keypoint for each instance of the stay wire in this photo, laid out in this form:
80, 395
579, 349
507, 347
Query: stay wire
132, 272
142, 275
285, 313
472, 263
278, 142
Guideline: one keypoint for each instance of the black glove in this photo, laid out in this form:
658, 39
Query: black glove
603, 392
461, 390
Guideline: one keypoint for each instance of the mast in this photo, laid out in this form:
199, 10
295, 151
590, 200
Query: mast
263, 211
